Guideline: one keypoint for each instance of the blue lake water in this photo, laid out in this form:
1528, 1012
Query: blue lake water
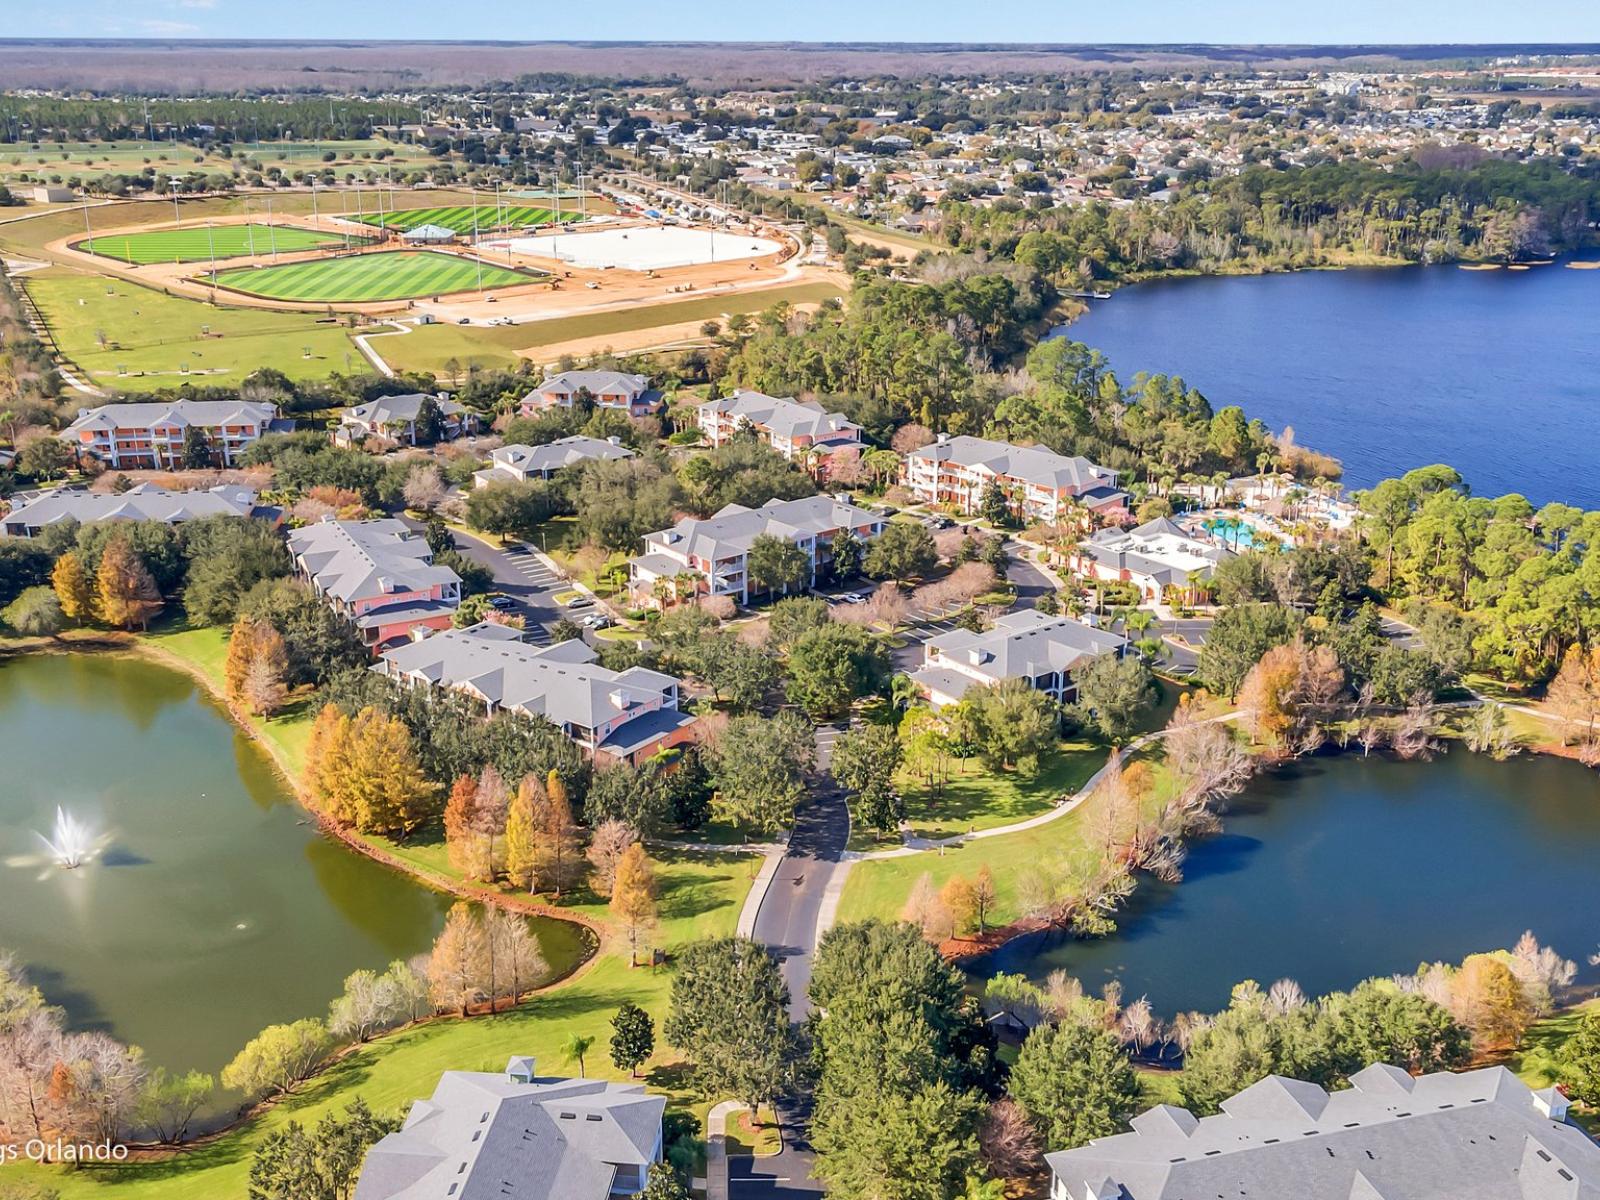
1494, 372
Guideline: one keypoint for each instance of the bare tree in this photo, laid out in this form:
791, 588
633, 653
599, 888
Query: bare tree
1007, 1141
608, 843
424, 487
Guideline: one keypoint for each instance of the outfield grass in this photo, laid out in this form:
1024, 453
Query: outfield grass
203, 244
359, 278
464, 218
432, 347
149, 334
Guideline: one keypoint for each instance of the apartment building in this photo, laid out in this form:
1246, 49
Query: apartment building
1038, 484
619, 390
395, 418
146, 502
515, 1135
378, 574
1476, 1135
798, 430
515, 464
616, 716
1042, 649
153, 435
711, 556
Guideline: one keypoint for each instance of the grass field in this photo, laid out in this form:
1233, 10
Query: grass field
431, 347
461, 217
200, 245
153, 340
354, 279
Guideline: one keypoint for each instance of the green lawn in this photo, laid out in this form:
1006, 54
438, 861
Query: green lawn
359, 278
464, 218
149, 334
203, 244
977, 798
879, 887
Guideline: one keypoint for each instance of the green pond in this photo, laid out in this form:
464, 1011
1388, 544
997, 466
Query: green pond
212, 906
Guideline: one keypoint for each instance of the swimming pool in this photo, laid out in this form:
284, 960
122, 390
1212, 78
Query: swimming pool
1235, 533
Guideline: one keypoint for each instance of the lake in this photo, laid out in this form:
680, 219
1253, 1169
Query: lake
215, 907
1495, 372
1339, 868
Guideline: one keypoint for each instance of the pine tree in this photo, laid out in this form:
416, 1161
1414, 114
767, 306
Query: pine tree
72, 588
125, 592
241, 652
633, 897
327, 753
383, 788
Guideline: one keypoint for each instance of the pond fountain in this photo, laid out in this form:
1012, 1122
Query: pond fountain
72, 842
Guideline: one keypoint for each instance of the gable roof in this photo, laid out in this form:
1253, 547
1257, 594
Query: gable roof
1477, 1135
595, 382
1025, 643
146, 502
515, 1136
356, 560
1031, 464
179, 413
562, 683
784, 416
732, 531
399, 409
1161, 549
563, 452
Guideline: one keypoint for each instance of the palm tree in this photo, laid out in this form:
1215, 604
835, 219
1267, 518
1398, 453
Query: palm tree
575, 1047
1138, 621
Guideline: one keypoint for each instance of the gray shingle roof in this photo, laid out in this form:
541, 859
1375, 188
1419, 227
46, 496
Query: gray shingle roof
734, 528
354, 560
1031, 464
1161, 549
562, 683
1025, 643
785, 417
147, 502
484, 1136
386, 410
1478, 1135
596, 382
205, 413
563, 452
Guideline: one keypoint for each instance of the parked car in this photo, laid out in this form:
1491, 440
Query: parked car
501, 601
597, 621
579, 601
464, 321
854, 597
941, 522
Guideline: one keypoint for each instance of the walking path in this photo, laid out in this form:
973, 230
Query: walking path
372, 356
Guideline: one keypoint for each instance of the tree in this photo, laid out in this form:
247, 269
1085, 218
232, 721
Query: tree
902, 551
925, 909
293, 1164
576, 1047
633, 897
1238, 639
1487, 998
729, 1014
776, 564
663, 1184
457, 963
607, 844
875, 1145
847, 550
523, 837
1579, 1061
125, 593
278, 1058
225, 558
1114, 694
864, 761
35, 613
1007, 1141
560, 842
791, 619
1075, 1082
512, 508
364, 773
994, 506
1015, 724
1574, 693
983, 896
424, 488
170, 1102
197, 452
960, 900
255, 667
833, 666
759, 767
633, 1038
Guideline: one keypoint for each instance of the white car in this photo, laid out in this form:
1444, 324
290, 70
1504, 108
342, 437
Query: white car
596, 621
854, 598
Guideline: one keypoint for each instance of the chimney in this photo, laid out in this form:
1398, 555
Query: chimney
1552, 1102
520, 1069
942, 439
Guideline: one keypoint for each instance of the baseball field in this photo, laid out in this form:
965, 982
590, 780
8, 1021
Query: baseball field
204, 243
365, 278
459, 217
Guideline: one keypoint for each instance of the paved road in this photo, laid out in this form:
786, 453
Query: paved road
519, 574
787, 925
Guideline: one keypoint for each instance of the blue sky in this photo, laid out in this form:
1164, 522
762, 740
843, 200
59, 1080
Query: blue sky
825, 20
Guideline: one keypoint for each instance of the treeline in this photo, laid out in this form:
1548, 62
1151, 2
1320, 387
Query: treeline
1265, 218
201, 122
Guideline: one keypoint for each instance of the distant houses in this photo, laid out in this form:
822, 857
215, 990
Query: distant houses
1160, 558
1476, 1135
518, 1136
395, 418
1040, 649
712, 555
146, 502
157, 435
379, 574
1038, 484
616, 716
520, 463
799, 430
616, 390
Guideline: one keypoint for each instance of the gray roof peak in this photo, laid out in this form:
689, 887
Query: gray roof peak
1277, 1099
1166, 1120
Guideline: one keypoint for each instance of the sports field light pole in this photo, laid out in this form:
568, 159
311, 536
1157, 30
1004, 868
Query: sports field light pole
88, 234
477, 256
174, 185
272, 231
